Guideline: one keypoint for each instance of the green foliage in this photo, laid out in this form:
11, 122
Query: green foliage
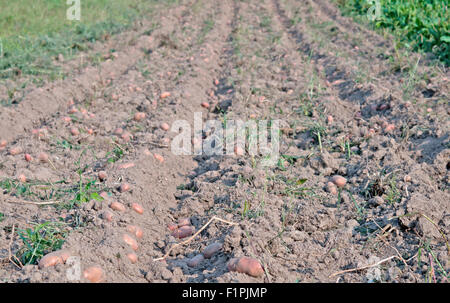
34, 32
419, 24
40, 240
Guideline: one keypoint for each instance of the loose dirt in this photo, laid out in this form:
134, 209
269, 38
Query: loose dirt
297, 61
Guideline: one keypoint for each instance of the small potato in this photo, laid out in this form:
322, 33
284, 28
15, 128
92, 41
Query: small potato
139, 116
331, 188
239, 151
124, 187
3, 143
183, 232
164, 126
43, 157
132, 257
28, 157
22, 178
195, 261
137, 208
205, 104
330, 119
339, 181
53, 258
165, 95
118, 131
94, 274
15, 151
107, 215
184, 222
117, 206
73, 110
172, 226
126, 136
130, 241
102, 176
136, 230
389, 128
249, 266
212, 249
159, 157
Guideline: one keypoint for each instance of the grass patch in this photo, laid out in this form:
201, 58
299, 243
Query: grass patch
40, 240
420, 25
34, 32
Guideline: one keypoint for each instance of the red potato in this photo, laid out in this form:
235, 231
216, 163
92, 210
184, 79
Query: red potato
3, 143
107, 215
159, 157
90, 131
102, 176
137, 208
139, 116
94, 274
15, 151
239, 151
114, 97
212, 249
125, 165
124, 187
184, 222
53, 258
73, 110
330, 119
117, 206
118, 131
195, 261
216, 82
126, 136
43, 157
28, 157
389, 128
205, 104
252, 116
339, 181
172, 226
165, 95
183, 232
130, 241
132, 257
164, 126
136, 230
74, 131
331, 188
249, 266
22, 178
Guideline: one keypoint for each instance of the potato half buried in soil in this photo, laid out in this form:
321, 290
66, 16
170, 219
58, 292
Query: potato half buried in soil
249, 266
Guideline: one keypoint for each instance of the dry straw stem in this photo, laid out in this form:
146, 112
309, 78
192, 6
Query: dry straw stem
33, 203
9, 249
363, 267
194, 235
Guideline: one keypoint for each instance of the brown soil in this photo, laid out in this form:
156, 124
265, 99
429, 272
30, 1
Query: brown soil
296, 61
